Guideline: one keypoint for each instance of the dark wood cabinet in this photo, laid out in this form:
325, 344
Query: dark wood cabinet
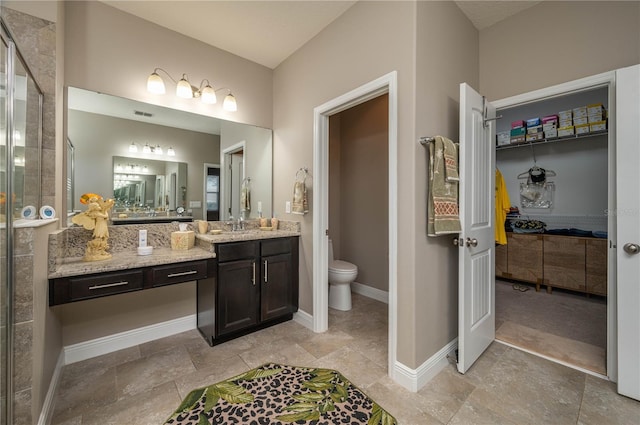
64, 290
238, 295
256, 287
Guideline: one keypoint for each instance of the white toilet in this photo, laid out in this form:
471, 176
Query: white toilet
341, 274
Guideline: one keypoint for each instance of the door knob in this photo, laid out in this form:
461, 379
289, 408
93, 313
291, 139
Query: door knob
631, 248
472, 242
458, 241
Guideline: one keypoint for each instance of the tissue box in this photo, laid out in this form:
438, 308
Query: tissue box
183, 239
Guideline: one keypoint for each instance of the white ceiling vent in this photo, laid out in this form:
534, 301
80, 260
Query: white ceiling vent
143, 114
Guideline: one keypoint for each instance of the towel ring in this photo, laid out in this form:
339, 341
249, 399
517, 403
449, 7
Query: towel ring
304, 172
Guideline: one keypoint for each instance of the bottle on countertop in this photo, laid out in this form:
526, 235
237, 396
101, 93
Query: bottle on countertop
274, 222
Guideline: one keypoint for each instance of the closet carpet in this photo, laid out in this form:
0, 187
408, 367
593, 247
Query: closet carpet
563, 325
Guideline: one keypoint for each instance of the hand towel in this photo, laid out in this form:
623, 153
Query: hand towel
299, 205
443, 216
245, 199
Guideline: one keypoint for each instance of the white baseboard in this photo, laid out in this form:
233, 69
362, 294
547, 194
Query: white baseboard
108, 344
304, 318
415, 379
370, 291
47, 406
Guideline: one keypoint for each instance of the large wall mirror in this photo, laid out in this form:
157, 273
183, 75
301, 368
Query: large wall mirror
158, 159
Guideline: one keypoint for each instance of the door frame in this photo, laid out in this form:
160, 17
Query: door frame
225, 159
208, 165
386, 84
599, 80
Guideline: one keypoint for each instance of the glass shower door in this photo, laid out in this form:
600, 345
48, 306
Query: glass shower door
4, 316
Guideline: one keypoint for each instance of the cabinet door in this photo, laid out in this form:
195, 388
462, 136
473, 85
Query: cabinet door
564, 262
597, 267
238, 291
525, 257
276, 290
501, 261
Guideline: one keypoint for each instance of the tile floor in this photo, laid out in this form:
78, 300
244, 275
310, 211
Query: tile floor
143, 384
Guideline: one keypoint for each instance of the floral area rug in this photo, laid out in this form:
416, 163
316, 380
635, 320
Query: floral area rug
280, 394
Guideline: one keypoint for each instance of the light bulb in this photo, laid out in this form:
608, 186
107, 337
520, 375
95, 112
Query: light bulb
208, 95
229, 103
183, 89
133, 148
155, 84
146, 149
157, 150
171, 152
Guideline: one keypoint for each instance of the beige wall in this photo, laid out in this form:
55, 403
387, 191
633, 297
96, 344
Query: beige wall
447, 55
90, 319
369, 40
570, 39
362, 216
112, 52
47, 330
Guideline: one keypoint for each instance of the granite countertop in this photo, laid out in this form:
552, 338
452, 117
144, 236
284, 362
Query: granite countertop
245, 235
66, 247
124, 260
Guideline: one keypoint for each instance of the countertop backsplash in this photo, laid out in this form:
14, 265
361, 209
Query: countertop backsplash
71, 242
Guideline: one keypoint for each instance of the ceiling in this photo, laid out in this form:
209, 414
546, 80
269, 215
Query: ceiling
267, 31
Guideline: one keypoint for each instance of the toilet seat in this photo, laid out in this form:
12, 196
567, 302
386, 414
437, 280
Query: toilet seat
339, 266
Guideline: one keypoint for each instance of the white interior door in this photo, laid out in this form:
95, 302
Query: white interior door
628, 228
476, 295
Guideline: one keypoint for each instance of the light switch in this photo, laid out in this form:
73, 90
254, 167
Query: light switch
287, 207
195, 204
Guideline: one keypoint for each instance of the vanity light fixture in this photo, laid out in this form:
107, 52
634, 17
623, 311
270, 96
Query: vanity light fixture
148, 149
185, 90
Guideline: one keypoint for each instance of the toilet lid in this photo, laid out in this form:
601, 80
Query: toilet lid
340, 266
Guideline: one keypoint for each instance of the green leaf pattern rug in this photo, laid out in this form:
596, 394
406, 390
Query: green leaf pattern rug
280, 394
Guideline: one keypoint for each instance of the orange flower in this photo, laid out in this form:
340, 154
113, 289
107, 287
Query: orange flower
84, 199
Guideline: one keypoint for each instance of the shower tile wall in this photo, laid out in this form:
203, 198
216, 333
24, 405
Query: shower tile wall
36, 39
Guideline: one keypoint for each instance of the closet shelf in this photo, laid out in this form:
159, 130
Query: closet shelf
557, 139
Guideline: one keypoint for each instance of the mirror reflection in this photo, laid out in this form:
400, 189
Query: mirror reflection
148, 186
184, 152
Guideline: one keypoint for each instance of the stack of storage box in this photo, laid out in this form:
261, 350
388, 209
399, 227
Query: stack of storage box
597, 117
576, 121
518, 132
580, 120
565, 126
550, 126
534, 130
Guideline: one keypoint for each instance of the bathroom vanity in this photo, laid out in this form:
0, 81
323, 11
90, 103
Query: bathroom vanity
245, 280
256, 287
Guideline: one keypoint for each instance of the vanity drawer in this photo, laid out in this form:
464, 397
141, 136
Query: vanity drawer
233, 251
82, 288
275, 246
176, 273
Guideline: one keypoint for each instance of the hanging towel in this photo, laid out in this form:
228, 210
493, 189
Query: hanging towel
245, 199
503, 205
443, 217
299, 204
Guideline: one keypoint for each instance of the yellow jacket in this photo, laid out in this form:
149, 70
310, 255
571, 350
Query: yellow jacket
503, 204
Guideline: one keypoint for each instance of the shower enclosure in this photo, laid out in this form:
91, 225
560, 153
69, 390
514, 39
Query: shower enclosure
21, 103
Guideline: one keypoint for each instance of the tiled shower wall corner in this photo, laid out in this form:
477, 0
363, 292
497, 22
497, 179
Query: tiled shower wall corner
36, 40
